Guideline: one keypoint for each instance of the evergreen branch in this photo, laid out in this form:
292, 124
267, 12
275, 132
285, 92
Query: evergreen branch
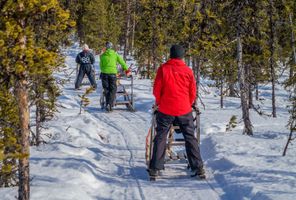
33, 137
283, 70
8, 124
60, 105
223, 48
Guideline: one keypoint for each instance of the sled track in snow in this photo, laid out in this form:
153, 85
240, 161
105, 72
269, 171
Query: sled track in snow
136, 115
133, 115
108, 120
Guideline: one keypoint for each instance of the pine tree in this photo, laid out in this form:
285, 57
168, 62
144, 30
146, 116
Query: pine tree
93, 24
93, 28
9, 145
255, 48
21, 58
127, 31
151, 47
272, 52
114, 24
290, 14
285, 32
291, 84
238, 18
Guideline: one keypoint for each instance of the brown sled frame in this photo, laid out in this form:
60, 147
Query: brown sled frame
128, 96
171, 140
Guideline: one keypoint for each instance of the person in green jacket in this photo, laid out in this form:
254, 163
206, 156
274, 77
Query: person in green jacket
108, 66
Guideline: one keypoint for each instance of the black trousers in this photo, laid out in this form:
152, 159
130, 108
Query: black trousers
191, 144
89, 71
110, 87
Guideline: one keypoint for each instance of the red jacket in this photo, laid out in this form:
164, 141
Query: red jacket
174, 88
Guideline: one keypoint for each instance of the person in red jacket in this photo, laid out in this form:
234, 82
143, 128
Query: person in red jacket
175, 93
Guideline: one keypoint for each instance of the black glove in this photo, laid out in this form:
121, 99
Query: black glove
194, 107
155, 109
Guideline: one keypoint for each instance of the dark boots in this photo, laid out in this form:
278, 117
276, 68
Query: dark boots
108, 108
199, 172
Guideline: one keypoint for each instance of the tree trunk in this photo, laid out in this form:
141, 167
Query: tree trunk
133, 27
188, 59
127, 29
193, 66
272, 59
149, 67
196, 62
248, 83
243, 89
291, 72
250, 95
232, 90
221, 93
257, 91
293, 46
292, 120
38, 124
21, 93
196, 67
288, 142
154, 45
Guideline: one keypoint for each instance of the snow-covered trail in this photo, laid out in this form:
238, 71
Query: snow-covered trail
98, 156
129, 133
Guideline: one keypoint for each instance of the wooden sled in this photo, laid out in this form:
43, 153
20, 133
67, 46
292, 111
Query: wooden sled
124, 94
174, 141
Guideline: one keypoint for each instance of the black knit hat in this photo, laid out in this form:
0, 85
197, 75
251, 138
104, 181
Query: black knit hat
109, 45
177, 51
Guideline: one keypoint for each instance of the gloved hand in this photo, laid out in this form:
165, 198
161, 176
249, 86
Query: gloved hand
103, 51
194, 106
155, 108
128, 73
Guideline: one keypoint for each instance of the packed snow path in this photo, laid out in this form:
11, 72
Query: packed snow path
99, 155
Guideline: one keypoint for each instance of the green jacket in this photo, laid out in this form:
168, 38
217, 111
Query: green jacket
109, 60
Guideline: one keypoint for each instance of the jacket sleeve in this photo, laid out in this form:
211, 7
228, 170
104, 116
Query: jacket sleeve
78, 59
157, 88
101, 63
92, 58
122, 63
192, 89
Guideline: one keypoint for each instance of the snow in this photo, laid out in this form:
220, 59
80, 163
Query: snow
249, 167
98, 155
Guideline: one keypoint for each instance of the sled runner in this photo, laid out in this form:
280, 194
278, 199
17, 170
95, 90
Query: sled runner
124, 93
175, 146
